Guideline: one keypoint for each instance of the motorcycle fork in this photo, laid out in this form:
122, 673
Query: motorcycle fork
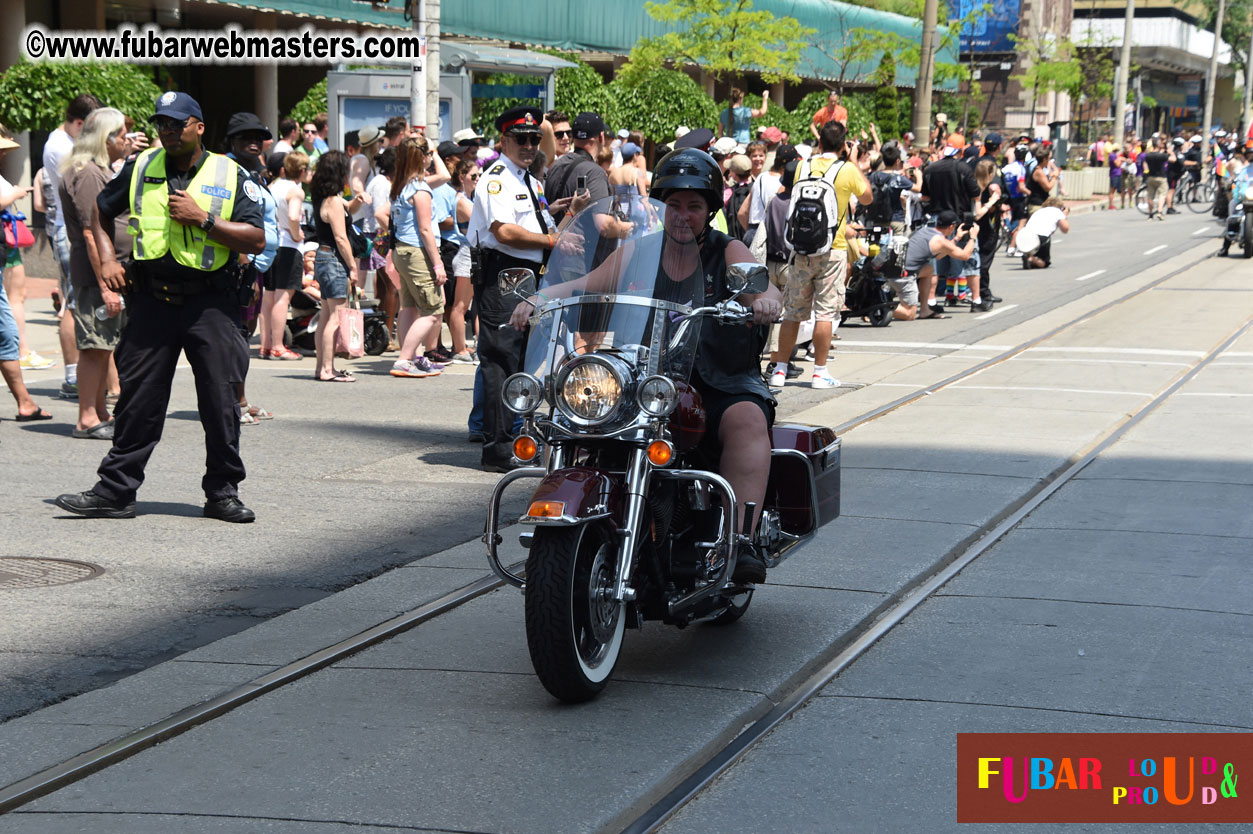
637, 476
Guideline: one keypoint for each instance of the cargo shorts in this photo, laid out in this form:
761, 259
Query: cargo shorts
815, 284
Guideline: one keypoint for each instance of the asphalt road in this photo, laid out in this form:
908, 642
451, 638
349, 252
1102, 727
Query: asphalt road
351, 480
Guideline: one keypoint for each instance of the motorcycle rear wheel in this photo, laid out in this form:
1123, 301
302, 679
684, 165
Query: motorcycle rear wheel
573, 626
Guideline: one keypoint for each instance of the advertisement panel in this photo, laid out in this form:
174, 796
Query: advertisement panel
989, 32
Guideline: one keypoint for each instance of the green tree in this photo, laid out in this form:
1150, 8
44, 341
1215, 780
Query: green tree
724, 37
313, 103
1051, 65
1237, 20
658, 102
886, 99
34, 94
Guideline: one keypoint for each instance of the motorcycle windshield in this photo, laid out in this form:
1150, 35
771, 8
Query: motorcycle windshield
620, 280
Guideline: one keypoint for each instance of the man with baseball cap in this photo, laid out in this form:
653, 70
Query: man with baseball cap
579, 169
191, 211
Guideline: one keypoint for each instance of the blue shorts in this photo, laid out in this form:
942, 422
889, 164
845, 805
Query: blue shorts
330, 274
8, 330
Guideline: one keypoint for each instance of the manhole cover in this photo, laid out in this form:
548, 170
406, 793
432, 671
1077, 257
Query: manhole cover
18, 572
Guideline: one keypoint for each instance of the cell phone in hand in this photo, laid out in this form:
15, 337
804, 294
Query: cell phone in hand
580, 184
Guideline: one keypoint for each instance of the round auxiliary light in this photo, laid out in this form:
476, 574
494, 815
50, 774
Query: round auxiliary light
657, 396
523, 393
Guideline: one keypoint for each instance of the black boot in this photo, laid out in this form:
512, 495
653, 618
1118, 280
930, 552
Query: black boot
750, 568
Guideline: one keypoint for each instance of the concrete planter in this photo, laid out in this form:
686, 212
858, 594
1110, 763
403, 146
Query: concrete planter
1083, 184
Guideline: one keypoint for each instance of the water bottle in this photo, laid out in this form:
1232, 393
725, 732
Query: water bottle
102, 312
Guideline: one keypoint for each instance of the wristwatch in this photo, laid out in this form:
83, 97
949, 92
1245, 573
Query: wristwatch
208, 223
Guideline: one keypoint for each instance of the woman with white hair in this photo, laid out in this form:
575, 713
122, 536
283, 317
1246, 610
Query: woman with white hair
98, 315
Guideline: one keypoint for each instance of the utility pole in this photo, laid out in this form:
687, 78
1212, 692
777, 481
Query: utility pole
1212, 78
1124, 70
417, 82
1247, 122
926, 74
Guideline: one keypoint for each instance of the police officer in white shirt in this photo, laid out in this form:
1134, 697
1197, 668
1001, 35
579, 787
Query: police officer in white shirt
511, 225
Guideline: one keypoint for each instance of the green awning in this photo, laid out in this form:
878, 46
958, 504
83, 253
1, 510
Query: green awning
348, 12
578, 26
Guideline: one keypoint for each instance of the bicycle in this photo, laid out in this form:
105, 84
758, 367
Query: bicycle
1198, 196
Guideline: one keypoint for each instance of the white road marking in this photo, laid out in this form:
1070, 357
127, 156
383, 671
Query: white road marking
1202, 229
1092, 275
996, 311
920, 345
1101, 361
1130, 350
1212, 394
1053, 390
1155, 249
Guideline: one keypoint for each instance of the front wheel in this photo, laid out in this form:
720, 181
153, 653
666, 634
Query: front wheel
1142, 199
1201, 197
573, 625
1248, 235
737, 606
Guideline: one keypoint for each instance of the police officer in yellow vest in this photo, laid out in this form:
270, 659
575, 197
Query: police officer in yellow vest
189, 211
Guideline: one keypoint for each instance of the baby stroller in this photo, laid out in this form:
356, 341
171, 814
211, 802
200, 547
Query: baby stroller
869, 294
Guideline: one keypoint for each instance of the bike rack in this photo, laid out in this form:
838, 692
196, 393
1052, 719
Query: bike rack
493, 539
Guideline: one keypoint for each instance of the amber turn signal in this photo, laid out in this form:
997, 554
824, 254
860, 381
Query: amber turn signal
546, 509
660, 453
525, 448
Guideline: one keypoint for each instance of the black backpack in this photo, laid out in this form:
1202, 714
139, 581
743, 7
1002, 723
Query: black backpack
887, 198
739, 194
810, 230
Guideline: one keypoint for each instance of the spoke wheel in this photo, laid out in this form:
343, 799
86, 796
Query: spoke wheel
573, 626
1142, 200
1201, 197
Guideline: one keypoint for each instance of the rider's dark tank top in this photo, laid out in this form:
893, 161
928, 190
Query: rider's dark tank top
728, 357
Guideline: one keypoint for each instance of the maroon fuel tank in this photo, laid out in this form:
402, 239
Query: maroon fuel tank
584, 492
687, 423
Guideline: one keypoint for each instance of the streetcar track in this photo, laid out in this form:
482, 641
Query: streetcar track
910, 598
869, 629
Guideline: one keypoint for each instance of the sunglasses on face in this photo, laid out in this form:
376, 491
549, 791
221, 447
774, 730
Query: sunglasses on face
473, 176
167, 125
563, 134
310, 130
532, 139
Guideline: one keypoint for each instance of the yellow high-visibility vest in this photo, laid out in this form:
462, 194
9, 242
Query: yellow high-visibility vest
213, 189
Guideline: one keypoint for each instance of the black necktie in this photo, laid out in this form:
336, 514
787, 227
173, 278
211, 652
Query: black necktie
539, 212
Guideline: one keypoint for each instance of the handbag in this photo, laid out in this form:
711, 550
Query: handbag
350, 337
16, 234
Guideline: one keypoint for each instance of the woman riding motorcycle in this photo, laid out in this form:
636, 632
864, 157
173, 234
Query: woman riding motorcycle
739, 406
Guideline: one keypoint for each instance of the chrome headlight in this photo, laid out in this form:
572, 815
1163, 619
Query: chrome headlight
523, 393
657, 396
589, 390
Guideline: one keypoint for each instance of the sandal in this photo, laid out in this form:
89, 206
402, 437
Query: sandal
934, 316
284, 353
339, 376
30, 418
246, 419
256, 411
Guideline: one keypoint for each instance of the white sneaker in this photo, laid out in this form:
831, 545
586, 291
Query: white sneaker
824, 381
778, 378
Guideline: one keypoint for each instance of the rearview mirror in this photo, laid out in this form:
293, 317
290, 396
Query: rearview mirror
518, 281
749, 277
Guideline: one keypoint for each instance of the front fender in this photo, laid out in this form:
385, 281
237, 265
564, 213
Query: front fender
575, 495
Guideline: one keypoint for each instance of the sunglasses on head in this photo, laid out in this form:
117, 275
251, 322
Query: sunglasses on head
532, 139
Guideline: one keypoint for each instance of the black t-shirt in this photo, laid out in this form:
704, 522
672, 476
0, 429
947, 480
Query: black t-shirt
950, 185
1155, 163
115, 200
564, 175
728, 357
1175, 169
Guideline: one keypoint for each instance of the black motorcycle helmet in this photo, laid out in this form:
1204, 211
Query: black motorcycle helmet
689, 169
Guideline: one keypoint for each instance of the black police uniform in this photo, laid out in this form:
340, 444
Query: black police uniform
173, 309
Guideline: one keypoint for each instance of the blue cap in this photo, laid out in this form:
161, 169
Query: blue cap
177, 106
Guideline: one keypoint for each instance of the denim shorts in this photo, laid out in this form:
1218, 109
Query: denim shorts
8, 330
332, 277
61, 243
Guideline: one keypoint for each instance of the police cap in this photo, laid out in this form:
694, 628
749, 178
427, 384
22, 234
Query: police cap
177, 106
520, 119
698, 138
